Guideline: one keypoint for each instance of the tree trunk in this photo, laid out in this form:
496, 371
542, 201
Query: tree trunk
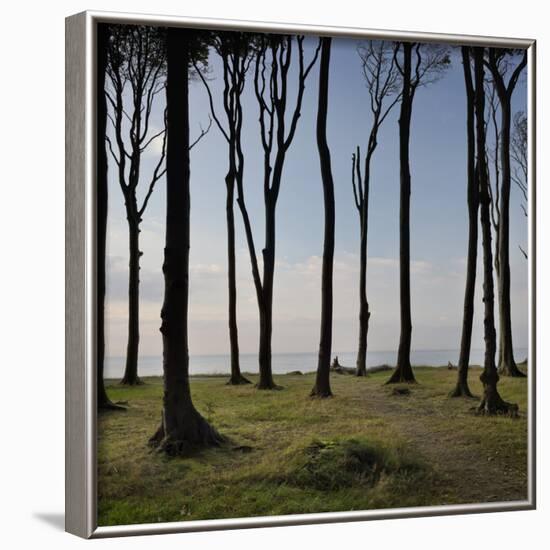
507, 365
266, 313
322, 381
491, 402
364, 313
131, 377
236, 377
103, 401
462, 389
182, 427
403, 371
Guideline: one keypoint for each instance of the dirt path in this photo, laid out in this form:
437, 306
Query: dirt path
466, 466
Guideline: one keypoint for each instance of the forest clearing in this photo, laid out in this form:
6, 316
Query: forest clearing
373, 446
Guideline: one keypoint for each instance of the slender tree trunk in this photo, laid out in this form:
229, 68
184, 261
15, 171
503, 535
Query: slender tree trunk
236, 377
266, 314
364, 313
103, 401
322, 380
182, 427
491, 402
462, 388
507, 365
131, 377
403, 371
499, 293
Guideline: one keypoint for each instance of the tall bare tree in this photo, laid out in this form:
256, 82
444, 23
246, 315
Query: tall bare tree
322, 379
498, 61
273, 60
182, 427
234, 50
491, 402
419, 65
492, 125
103, 33
136, 67
382, 81
462, 388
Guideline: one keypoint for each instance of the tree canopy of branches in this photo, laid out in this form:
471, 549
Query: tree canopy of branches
419, 65
136, 69
383, 85
272, 63
505, 74
235, 51
462, 388
182, 427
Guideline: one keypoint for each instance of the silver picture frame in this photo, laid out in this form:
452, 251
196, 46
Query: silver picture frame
80, 293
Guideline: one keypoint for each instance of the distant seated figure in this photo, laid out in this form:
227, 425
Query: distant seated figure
335, 363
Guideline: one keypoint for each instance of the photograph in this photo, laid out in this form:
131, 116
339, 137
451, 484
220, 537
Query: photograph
312, 262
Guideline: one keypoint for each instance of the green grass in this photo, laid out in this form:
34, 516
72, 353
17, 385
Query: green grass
289, 454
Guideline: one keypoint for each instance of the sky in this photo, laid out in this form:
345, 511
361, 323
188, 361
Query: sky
438, 225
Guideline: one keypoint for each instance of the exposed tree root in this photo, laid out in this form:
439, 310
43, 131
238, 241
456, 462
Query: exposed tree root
511, 369
491, 402
239, 380
402, 375
193, 433
320, 394
497, 406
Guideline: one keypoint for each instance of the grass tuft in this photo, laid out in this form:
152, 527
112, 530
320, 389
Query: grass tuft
335, 464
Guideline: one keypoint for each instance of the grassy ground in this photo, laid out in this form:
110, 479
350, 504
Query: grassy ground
365, 448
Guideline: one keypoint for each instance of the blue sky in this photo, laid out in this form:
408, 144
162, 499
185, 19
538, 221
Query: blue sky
438, 225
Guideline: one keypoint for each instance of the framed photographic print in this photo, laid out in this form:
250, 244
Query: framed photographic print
300, 276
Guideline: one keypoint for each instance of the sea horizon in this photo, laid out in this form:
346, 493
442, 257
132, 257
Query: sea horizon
284, 362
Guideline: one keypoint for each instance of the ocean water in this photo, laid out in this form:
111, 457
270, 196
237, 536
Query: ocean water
287, 362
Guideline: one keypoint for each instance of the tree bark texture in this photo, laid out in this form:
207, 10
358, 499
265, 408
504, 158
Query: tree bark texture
361, 192
182, 427
491, 402
266, 313
322, 380
236, 377
507, 365
403, 371
462, 389
131, 377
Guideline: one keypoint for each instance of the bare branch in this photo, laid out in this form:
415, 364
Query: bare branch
157, 174
204, 131
152, 138
211, 102
115, 158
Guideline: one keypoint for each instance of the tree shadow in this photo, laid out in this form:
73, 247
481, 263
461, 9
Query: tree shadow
55, 520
